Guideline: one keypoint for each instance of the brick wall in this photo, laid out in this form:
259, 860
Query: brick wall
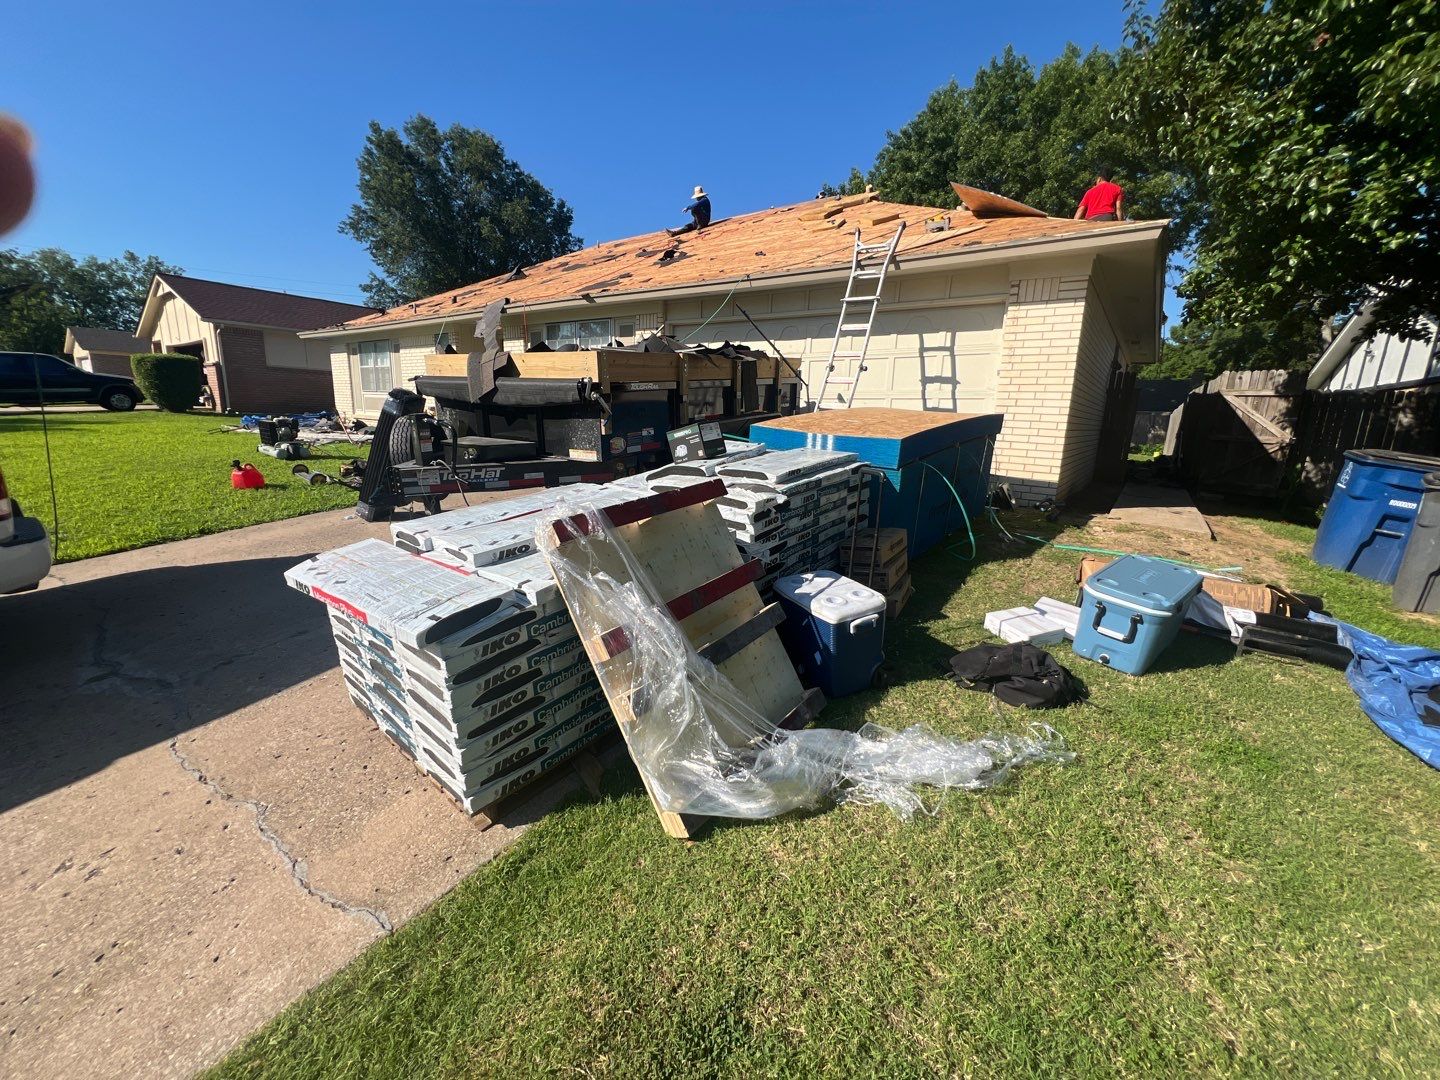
256, 387
1039, 345
212, 377
1095, 355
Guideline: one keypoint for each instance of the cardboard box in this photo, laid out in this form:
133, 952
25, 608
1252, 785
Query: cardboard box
878, 545
898, 597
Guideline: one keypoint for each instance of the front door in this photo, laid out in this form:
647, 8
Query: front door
373, 374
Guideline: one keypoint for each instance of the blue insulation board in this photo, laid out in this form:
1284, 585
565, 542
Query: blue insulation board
917, 453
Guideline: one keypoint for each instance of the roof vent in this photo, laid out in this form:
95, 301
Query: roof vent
516, 274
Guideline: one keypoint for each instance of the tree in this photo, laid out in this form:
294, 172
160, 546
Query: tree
1036, 137
442, 209
46, 290
1312, 124
1208, 348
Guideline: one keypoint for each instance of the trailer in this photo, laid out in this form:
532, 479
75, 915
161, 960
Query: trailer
544, 418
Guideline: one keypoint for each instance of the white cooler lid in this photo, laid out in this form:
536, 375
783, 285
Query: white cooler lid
830, 597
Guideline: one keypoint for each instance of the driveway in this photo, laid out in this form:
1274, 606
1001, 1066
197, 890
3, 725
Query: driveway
196, 824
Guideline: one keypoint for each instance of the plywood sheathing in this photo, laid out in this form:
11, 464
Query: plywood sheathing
784, 239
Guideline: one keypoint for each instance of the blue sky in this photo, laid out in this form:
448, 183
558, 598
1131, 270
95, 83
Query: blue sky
223, 137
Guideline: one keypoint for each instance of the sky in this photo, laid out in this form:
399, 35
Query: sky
223, 137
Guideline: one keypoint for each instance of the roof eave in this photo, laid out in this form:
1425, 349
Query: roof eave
971, 256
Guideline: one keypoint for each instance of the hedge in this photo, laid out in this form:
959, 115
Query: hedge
171, 380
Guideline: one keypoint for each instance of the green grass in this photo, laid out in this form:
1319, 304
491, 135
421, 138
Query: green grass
125, 480
1237, 875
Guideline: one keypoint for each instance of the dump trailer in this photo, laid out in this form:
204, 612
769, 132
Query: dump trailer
549, 417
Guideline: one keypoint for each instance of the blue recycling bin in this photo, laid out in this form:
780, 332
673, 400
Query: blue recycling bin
1372, 512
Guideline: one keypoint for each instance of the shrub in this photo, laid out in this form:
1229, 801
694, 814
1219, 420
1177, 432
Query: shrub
171, 380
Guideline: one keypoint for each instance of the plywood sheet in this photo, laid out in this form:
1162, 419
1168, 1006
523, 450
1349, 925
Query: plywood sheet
986, 204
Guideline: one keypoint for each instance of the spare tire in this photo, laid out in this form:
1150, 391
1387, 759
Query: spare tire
402, 440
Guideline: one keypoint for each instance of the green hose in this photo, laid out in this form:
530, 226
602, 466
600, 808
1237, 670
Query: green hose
974, 547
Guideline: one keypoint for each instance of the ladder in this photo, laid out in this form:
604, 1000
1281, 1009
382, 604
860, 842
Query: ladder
869, 264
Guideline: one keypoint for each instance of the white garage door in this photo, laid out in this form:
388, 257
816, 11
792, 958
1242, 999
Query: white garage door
942, 359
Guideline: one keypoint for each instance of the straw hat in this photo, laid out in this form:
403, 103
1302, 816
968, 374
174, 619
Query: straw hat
699, 191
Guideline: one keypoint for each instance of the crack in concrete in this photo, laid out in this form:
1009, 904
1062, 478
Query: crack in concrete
298, 869
115, 669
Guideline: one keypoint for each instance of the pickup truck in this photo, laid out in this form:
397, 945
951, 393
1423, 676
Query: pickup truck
24, 548
62, 383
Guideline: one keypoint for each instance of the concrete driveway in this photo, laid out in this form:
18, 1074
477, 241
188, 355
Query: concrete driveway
196, 824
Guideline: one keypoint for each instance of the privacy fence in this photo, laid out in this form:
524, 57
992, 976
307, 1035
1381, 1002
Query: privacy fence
1262, 433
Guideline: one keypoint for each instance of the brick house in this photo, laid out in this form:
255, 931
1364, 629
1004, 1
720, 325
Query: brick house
105, 352
248, 340
1046, 320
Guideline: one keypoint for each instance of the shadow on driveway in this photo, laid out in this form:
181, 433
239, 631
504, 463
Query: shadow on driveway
97, 669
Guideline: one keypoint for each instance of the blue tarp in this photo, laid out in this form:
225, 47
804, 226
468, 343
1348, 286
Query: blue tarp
1395, 684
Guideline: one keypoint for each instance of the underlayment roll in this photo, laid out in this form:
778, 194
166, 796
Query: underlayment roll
511, 391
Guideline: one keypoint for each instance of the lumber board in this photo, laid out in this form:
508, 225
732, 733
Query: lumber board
447, 364
881, 219
984, 203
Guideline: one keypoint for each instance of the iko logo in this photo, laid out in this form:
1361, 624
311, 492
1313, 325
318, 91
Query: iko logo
500, 644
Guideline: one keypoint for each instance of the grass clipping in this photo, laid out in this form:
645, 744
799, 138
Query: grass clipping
699, 744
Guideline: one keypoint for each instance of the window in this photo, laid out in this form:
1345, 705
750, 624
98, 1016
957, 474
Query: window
377, 374
586, 333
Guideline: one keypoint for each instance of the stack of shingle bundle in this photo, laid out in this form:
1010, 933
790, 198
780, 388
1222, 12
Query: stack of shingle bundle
478, 675
793, 509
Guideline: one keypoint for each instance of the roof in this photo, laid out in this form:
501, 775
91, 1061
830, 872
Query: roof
215, 301
765, 244
98, 339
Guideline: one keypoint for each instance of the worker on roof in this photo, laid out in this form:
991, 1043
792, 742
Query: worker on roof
1105, 201
699, 210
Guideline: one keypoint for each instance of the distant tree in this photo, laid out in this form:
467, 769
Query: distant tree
442, 209
1313, 128
854, 184
1208, 348
46, 290
1034, 136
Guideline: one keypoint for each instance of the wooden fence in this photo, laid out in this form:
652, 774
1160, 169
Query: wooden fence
1262, 433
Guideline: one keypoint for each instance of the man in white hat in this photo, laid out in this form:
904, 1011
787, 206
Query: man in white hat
699, 211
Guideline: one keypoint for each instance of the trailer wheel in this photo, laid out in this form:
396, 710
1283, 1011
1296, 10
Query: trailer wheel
402, 440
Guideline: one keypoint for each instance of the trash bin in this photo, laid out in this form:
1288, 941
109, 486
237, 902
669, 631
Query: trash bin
1371, 512
1417, 584
834, 630
1131, 611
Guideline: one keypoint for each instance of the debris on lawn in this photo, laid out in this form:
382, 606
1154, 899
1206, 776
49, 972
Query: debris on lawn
1132, 610
1018, 674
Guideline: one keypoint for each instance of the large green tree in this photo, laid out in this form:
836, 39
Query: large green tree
1312, 124
1210, 347
442, 209
46, 290
1036, 136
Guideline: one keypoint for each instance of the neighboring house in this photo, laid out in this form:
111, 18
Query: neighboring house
1043, 319
105, 352
1353, 362
247, 338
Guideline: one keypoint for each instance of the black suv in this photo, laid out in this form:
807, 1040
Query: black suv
62, 383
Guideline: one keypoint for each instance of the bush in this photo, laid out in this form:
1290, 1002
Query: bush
171, 380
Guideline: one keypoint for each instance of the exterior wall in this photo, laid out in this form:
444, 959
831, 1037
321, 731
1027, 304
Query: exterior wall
103, 363
255, 386
178, 324
1387, 361
1097, 353
284, 350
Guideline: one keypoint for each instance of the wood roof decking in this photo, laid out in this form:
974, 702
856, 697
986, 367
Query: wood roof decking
814, 235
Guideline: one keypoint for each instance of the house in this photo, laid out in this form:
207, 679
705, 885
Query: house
1044, 319
1354, 362
248, 340
105, 352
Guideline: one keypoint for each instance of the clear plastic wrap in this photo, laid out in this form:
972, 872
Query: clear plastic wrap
700, 744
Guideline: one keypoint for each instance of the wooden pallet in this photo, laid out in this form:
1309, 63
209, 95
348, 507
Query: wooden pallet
682, 544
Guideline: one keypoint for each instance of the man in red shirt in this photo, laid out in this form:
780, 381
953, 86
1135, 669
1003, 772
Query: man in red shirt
1103, 202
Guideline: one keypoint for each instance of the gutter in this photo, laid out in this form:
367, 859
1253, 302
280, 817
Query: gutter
989, 253
224, 369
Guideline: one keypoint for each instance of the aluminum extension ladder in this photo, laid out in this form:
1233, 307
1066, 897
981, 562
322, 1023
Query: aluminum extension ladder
869, 263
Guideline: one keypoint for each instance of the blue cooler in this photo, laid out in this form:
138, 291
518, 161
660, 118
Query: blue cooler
834, 630
1371, 512
1132, 610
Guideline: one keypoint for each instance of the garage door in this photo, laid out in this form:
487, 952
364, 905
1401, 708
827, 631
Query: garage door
942, 359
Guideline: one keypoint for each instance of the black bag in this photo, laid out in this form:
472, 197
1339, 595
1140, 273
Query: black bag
1018, 674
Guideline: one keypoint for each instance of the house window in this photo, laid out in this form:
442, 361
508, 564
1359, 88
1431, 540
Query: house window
376, 369
625, 330
586, 333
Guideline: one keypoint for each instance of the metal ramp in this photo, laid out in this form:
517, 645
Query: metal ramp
868, 266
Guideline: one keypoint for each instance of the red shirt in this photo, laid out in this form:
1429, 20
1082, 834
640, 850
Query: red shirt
1103, 198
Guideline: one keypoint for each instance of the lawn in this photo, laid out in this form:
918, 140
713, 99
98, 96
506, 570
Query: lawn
125, 480
1237, 874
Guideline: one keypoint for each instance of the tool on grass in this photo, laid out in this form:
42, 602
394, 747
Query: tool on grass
314, 479
245, 476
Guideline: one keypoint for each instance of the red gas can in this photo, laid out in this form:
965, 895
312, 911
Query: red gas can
245, 476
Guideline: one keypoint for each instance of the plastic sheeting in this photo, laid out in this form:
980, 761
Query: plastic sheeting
699, 744
1399, 689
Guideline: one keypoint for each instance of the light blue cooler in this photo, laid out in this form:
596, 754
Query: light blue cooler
1131, 611
834, 630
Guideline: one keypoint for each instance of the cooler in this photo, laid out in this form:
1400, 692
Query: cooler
1131, 611
1372, 511
834, 630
